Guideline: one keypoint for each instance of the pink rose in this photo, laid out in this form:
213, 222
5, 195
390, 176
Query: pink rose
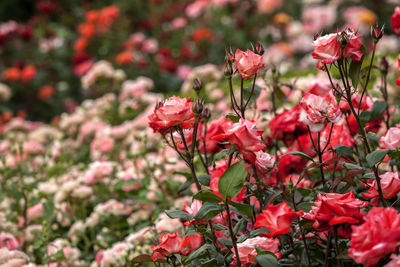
174, 111
247, 249
248, 63
390, 183
9, 241
317, 111
102, 144
328, 50
391, 140
35, 211
191, 243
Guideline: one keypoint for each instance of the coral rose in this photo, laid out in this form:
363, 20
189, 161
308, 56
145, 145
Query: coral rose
170, 244
391, 140
277, 219
334, 209
248, 63
174, 111
390, 183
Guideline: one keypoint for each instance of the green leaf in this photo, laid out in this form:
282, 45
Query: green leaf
207, 196
304, 191
376, 156
231, 182
298, 153
258, 231
220, 155
394, 154
304, 206
234, 118
243, 208
210, 263
208, 211
204, 179
197, 253
173, 214
378, 108
225, 242
342, 150
186, 185
351, 166
267, 260
354, 72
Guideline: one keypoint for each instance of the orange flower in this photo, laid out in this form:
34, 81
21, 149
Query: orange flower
125, 57
86, 29
202, 34
80, 44
46, 92
28, 73
11, 74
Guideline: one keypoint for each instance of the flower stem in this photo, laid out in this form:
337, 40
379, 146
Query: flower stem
233, 237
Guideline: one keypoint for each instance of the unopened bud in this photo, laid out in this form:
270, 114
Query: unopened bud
197, 85
377, 33
198, 107
158, 104
343, 39
228, 70
206, 114
259, 49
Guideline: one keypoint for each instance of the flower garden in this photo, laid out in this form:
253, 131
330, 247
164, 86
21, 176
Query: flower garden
199, 133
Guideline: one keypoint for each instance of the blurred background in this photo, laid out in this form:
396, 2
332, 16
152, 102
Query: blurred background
56, 53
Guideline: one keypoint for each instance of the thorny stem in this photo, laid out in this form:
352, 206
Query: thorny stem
293, 248
368, 76
233, 237
235, 105
328, 249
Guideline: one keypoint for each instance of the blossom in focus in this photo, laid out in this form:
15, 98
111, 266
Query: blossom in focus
327, 48
317, 111
277, 219
247, 249
391, 140
244, 136
170, 244
174, 111
334, 209
378, 236
390, 183
248, 63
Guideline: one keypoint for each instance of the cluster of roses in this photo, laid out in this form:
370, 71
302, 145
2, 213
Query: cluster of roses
303, 128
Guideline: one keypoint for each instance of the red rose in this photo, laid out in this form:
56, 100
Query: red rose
286, 126
174, 111
244, 136
378, 236
333, 209
248, 63
170, 244
390, 183
247, 249
191, 243
317, 111
277, 219
396, 21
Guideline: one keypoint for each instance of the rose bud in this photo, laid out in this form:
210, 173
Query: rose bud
385, 65
206, 114
198, 107
259, 49
197, 85
377, 33
228, 70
